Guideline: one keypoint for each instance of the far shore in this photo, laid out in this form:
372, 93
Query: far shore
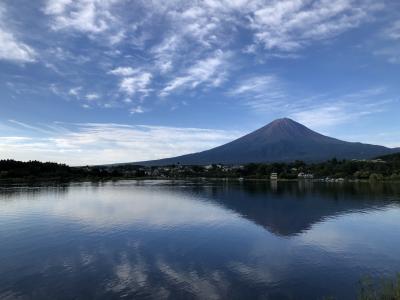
51, 180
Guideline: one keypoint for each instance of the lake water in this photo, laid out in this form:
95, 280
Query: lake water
196, 240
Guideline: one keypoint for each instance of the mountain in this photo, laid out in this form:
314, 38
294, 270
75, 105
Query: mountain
282, 140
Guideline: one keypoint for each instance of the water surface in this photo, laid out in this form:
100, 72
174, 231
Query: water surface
196, 240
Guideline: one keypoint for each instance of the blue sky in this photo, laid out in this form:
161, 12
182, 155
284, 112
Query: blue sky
102, 81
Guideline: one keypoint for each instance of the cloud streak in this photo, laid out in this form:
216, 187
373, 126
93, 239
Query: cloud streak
210, 72
341, 109
12, 49
292, 24
260, 93
91, 143
88, 16
269, 93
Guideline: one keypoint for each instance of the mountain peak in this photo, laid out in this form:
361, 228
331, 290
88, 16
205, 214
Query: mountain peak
283, 129
281, 140
284, 122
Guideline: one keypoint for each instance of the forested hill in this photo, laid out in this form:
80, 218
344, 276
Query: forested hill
392, 158
12, 169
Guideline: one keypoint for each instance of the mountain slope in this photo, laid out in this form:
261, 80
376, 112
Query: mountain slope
280, 141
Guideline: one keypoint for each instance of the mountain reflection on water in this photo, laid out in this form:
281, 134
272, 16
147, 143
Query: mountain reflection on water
202, 240
292, 208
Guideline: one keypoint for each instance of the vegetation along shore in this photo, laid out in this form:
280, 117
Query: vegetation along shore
381, 168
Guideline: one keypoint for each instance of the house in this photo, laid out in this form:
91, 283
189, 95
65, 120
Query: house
274, 176
305, 175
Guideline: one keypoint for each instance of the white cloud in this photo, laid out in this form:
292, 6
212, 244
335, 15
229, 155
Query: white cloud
393, 32
75, 91
165, 53
137, 84
269, 94
175, 40
54, 89
134, 81
390, 51
341, 109
197, 29
124, 71
324, 116
29, 127
260, 93
12, 49
81, 144
291, 24
118, 37
57, 6
389, 47
92, 96
136, 110
91, 16
209, 72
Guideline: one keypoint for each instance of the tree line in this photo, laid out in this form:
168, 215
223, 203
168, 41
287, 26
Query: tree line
382, 168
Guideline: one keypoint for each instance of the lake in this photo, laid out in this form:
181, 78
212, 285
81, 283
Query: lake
196, 239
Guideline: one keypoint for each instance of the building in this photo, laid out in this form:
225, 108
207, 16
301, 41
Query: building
305, 175
274, 176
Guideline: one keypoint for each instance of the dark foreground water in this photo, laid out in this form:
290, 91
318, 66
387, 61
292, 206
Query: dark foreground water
188, 240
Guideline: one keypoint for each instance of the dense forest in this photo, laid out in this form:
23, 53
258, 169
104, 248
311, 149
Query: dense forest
378, 169
382, 168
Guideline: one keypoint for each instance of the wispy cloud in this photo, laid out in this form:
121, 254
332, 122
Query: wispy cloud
134, 81
92, 96
92, 143
137, 84
390, 53
136, 110
124, 71
324, 116
91, 16
210, 71
292, 24
12, 49
393, 31
29, 127
75, 91
390, 50
188, 46
260, 93
340, 109
269, 93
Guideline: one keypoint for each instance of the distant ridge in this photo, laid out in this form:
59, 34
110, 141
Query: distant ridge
281, 140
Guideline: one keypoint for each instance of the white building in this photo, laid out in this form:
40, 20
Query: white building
305, 175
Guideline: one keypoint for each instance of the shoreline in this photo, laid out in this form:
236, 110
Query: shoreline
4, 181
